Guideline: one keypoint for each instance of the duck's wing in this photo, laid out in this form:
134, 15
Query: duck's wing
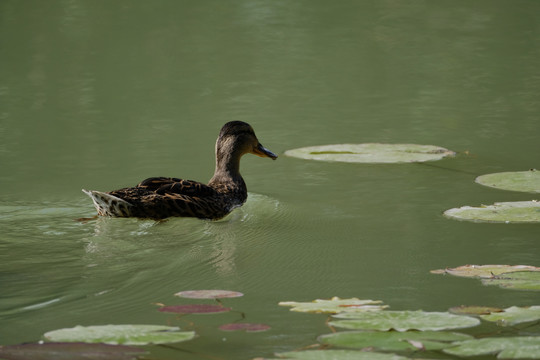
154, 183
162, 197
164, 185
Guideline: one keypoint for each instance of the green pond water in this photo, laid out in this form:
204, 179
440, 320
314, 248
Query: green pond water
103, 94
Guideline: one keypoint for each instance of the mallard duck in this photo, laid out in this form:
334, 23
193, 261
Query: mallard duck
162, 197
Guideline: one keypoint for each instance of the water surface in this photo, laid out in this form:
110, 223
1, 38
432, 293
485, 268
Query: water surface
100, 95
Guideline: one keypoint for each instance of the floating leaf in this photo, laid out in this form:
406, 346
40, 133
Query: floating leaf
69, 351
522, 280
503, 212
371, 153
403, 321
474, 310
208, 294
121, 334
244, 326
484, 271
334, 305
519, 277
526, 181
194, 309
339, 355
520, 347
393, 340
514, 315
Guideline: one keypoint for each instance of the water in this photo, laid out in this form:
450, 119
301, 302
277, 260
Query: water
101, 95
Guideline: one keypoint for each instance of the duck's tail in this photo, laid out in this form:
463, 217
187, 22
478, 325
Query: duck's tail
109, 205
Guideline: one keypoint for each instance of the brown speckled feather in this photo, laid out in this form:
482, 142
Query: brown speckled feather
162, 197
164, 185
159, 198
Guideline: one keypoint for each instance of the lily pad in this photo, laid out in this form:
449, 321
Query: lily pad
121, 334
371, 153
514, 315
484, 271
338, 355
208, 294
335, 305
403, 321
526, 181
248, 327
474, 310
519, 277
521, 280
503, 212
194, 309
69, 351
519, 347
393, 340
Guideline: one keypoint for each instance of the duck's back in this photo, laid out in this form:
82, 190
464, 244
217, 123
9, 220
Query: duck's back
162, 197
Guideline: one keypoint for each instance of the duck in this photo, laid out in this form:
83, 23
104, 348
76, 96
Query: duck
164, 197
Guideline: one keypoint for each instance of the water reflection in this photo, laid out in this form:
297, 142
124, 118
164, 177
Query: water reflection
196, 245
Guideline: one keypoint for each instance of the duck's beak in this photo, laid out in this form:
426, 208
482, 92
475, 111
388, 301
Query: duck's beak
261, 151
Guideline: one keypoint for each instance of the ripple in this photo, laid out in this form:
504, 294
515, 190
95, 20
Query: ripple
63, 269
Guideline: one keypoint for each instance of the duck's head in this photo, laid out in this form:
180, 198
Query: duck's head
237, 138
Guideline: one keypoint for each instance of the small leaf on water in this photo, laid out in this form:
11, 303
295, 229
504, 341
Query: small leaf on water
503, 212
371, 153
474, 310
335, 305
526, 181
518, 277
121, 334
514, 315
339, 355
248, 327
69, 351
403, 321
331, 152
208, 294
392, 340
194, 309
484, 271
522, 280
519, 347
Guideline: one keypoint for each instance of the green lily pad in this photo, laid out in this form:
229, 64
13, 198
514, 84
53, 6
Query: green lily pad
208, 294
522, 280
484, 271
121, 334
526, 181
519, 347
339, 355
514, 315
503, 212
371, 153
474, 310
335, 305
403, 321
519, 277
393, 340
69, 351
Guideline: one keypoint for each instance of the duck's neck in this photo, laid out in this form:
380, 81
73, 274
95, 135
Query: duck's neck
227, 169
